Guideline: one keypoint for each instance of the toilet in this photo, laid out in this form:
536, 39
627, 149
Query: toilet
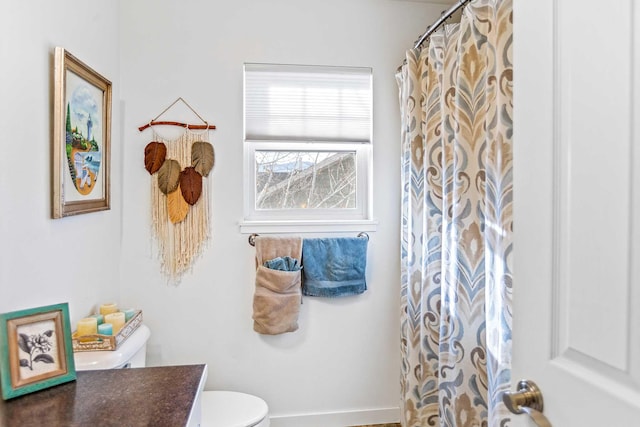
218, 408
131, 353
233, 409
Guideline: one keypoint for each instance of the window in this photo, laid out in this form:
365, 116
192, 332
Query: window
307, 143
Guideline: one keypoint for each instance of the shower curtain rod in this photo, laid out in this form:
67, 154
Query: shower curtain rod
445, 15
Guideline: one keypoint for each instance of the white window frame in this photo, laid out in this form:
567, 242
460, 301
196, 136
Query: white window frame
301, 220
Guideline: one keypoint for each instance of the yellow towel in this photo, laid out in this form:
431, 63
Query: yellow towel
276, 301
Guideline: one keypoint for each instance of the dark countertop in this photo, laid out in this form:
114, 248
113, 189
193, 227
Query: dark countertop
158, 397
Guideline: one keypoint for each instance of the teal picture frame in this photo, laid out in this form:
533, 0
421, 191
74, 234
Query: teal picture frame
35, 350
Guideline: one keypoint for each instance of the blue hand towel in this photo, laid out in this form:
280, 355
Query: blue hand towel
285, 263
334, 267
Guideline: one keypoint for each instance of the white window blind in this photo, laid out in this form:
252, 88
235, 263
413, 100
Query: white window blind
307, 103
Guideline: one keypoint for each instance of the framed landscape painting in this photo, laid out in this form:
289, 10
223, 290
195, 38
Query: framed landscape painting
35, 350
81, 137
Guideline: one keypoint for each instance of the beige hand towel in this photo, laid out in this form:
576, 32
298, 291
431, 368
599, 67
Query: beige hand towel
276, 301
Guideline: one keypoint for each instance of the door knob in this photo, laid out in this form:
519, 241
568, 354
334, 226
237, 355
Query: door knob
527, 399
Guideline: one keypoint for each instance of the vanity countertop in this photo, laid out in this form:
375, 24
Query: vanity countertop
156, 396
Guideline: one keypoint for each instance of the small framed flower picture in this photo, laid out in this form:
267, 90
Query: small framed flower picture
35, 350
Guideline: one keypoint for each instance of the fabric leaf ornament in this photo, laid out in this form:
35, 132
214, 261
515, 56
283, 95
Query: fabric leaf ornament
202, 157
169, 176
190, 185
154, 155
177, 207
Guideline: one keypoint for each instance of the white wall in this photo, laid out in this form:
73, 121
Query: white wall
45, 261
345, 356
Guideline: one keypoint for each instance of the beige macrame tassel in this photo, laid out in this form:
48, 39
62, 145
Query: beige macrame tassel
181, 243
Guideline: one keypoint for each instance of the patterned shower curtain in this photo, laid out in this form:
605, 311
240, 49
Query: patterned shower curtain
456, 109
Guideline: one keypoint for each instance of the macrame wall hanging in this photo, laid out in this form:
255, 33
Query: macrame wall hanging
179, 170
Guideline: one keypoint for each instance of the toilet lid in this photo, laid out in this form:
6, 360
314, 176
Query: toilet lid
232, 409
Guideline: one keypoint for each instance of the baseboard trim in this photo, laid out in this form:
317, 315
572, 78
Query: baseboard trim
338, 419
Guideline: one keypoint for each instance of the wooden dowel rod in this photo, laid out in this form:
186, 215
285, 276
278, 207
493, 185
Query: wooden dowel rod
184, 125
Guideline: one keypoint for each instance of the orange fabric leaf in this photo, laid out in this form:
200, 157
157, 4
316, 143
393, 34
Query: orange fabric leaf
190, 185
154, 154
177, 207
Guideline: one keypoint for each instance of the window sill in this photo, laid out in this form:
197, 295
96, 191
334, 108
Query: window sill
247, 227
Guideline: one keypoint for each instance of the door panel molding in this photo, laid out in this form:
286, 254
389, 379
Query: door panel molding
634, 261
595, 332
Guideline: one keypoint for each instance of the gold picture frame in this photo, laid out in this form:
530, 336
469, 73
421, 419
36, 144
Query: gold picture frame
81, 138
35, 350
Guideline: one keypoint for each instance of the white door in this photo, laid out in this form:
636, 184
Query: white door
576, 288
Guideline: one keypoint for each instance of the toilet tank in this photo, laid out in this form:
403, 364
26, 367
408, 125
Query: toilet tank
130, 354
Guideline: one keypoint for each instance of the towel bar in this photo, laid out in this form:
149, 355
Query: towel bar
252, 237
